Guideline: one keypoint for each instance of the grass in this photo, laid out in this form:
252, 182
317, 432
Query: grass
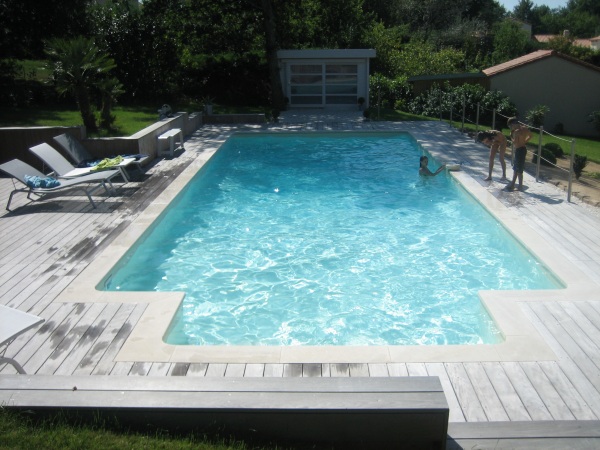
19, 431
129, 120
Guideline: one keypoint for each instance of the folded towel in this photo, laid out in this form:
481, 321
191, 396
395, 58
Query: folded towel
36, 182
107, 163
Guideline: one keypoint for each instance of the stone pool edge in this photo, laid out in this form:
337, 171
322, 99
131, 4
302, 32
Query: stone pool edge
145, 344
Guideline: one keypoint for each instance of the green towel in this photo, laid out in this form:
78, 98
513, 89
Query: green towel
107, 163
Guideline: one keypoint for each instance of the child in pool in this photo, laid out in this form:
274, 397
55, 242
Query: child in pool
424, 170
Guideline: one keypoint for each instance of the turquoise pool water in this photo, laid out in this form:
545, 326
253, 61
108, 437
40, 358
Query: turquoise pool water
327, 239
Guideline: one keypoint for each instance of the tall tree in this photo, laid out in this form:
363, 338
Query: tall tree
523, 11
510, 41
27, 23
271, 47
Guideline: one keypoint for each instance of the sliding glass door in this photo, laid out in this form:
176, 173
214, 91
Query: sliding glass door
323, 84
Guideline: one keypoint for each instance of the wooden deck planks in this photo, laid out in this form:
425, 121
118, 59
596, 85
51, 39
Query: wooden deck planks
487, 395
536, 407
467, 397
572, 398
511, 402
109, 332
62, 236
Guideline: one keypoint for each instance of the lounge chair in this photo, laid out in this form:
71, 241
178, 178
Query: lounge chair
83, 158
19, 170
12, 324
64, 169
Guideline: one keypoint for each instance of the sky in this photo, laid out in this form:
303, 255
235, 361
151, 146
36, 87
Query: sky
509, 5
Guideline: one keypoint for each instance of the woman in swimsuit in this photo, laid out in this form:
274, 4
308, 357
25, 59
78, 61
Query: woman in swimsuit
496, 141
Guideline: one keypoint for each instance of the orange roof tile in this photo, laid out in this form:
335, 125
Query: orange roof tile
532, 57
513, 63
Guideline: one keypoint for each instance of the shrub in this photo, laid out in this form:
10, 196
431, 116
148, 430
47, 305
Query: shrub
451, 97
555, 148
548, 158
579, 163
536, 115
387, 91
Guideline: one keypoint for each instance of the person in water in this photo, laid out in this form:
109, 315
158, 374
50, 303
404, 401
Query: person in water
496, 141
424, 170
520, 135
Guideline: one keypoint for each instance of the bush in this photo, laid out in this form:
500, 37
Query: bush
536, 115
389, 92
555, 148
548, 158
428, 103
579, 163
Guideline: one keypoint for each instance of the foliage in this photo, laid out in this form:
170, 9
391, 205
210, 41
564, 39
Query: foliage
536, 115
555, 149
510, 41
449, 98
27, 23
387, 92
78, 67
110, 89
548, 157
579, 163
167, 50
420, 58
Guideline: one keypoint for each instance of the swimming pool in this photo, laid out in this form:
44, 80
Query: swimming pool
337, 242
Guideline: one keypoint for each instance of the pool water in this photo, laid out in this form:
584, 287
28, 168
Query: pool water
327, 239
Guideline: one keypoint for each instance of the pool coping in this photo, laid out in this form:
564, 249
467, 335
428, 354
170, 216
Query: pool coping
522, 340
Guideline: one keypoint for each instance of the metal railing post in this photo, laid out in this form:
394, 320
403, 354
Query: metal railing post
462, 129
539, 155
571, 170
477, 119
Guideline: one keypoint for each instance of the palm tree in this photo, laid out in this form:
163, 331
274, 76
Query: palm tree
78, 65
110, 88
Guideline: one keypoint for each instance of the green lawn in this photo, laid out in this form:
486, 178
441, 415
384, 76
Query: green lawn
129, 119
19, 431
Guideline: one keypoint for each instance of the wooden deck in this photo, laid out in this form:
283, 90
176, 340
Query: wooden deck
45, 245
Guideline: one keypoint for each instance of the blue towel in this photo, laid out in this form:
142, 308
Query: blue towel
36, 182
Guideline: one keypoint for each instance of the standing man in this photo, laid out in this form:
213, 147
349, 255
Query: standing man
520, 135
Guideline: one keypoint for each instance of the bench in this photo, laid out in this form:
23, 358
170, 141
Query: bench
406, 412
170, 135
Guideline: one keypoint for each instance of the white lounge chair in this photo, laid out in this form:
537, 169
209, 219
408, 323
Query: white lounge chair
82, 157
12, 324
18, 170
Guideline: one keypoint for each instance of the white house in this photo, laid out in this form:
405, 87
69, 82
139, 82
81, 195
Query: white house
325, 78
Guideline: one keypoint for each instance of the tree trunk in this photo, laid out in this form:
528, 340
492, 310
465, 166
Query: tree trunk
85, 108
271, 41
